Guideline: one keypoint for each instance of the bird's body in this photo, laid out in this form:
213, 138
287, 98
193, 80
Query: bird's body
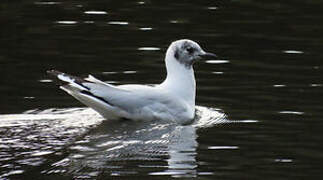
172, 100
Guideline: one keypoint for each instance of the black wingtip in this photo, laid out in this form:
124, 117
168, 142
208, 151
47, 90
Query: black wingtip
75, 79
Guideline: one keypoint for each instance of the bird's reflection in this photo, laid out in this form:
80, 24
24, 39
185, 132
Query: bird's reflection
111, 144
182, 152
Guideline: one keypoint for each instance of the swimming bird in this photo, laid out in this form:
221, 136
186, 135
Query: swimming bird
172, 100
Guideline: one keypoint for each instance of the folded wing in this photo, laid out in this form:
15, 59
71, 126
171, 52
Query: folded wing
115, 102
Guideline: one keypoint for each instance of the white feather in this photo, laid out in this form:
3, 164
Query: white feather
172, 100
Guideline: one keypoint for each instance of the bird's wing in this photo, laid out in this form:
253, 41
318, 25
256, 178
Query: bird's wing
127, 101
93, 93
145, 102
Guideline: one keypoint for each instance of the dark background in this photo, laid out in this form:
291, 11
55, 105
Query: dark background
273, 74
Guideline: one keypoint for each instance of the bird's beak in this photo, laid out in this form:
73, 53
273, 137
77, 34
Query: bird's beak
207, 55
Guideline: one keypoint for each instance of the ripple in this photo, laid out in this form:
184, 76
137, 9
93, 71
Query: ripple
146, 29
110, 72
284, 160
122, 23
293, 52
141, 2
13, 172
129, 72
217, 61
205, 173
316, 67
63, 162
95, 12
71, 116
245, 121
31, 161
122, 173
208, 117
53, 171
168, 173
149, 49
45, 80
41, 133
88, 22
316, 85
41, 153
291, 112
77, 156
279, 85
222, 147
46, 3
109, 143
212, 8
178, 21
217, 72
66, 22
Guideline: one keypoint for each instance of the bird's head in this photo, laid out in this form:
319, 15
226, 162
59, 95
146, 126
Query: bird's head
187, 52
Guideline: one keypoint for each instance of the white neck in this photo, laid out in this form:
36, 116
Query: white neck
180, 79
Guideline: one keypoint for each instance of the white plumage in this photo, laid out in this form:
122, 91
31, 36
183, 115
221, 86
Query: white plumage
172, 100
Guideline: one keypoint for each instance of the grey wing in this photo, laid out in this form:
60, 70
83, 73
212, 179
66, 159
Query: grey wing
146, 102
149, 103
93, 93
127, 101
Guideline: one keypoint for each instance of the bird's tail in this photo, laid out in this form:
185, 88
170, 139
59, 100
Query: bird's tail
84, 91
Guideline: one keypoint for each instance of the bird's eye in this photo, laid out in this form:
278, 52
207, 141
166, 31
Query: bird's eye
190, 50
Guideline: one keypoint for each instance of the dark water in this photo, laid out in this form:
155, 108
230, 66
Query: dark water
260, 105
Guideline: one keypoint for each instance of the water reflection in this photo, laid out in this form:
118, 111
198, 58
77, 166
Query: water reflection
95, 12
146, 28
94, 146
27, 140
293, 52
182, 152
109, 146
274, 76
217, 61
122, 23
112, 143
65, 22
47, 3
148, 49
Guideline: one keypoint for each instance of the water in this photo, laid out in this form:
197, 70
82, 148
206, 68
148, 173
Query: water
260, 104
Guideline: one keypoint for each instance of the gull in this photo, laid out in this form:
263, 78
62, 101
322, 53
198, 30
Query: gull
172, 100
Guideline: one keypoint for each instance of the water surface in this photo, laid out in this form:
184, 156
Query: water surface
260, 104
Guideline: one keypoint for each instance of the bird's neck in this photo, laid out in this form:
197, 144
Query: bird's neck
180, 80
